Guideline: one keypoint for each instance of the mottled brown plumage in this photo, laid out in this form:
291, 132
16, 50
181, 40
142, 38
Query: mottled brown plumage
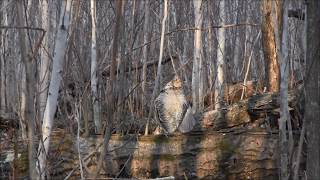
171, 106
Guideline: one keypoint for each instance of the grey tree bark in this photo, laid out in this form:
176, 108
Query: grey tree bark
197, 95
29, 111
111, 89
94, 78
312, 107
282, 51
219, 90
146, 38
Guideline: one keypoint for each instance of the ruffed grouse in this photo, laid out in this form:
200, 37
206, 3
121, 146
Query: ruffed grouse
171, 106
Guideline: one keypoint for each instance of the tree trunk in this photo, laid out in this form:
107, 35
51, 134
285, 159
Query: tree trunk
29, 111
94, 78
56, 76
146, 38
219, 90
284, 109
121, 76
237, 47
197, 59
312, 109
45, 61
112, 85
269, 47
3, 103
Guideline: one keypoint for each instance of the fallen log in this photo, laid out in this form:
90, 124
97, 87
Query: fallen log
252, 110
220, 147
200, 154
210, 154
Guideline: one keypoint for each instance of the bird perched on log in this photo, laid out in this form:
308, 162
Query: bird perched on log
171, 106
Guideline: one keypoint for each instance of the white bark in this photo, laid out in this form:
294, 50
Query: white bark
220, 59
45, 61
51, 106
22, 101
197, 59
94, 78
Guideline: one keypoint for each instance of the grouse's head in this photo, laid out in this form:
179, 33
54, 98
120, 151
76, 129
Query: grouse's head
175, 83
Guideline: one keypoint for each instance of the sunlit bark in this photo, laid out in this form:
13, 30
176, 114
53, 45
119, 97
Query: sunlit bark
56, 76
219, 90
45, 61
269, 47
197, 59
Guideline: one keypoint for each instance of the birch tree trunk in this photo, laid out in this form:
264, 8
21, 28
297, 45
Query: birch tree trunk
45, 61
56, 76
157, 82
29, 111
197, 59
94, 78
312, 107
219, 90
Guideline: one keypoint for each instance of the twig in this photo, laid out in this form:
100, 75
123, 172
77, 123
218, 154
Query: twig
193, 29
78, 139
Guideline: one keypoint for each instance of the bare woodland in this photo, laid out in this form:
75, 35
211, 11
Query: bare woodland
81, 83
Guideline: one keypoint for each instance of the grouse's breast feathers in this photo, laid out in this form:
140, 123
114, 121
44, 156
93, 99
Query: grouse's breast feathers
171, 105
